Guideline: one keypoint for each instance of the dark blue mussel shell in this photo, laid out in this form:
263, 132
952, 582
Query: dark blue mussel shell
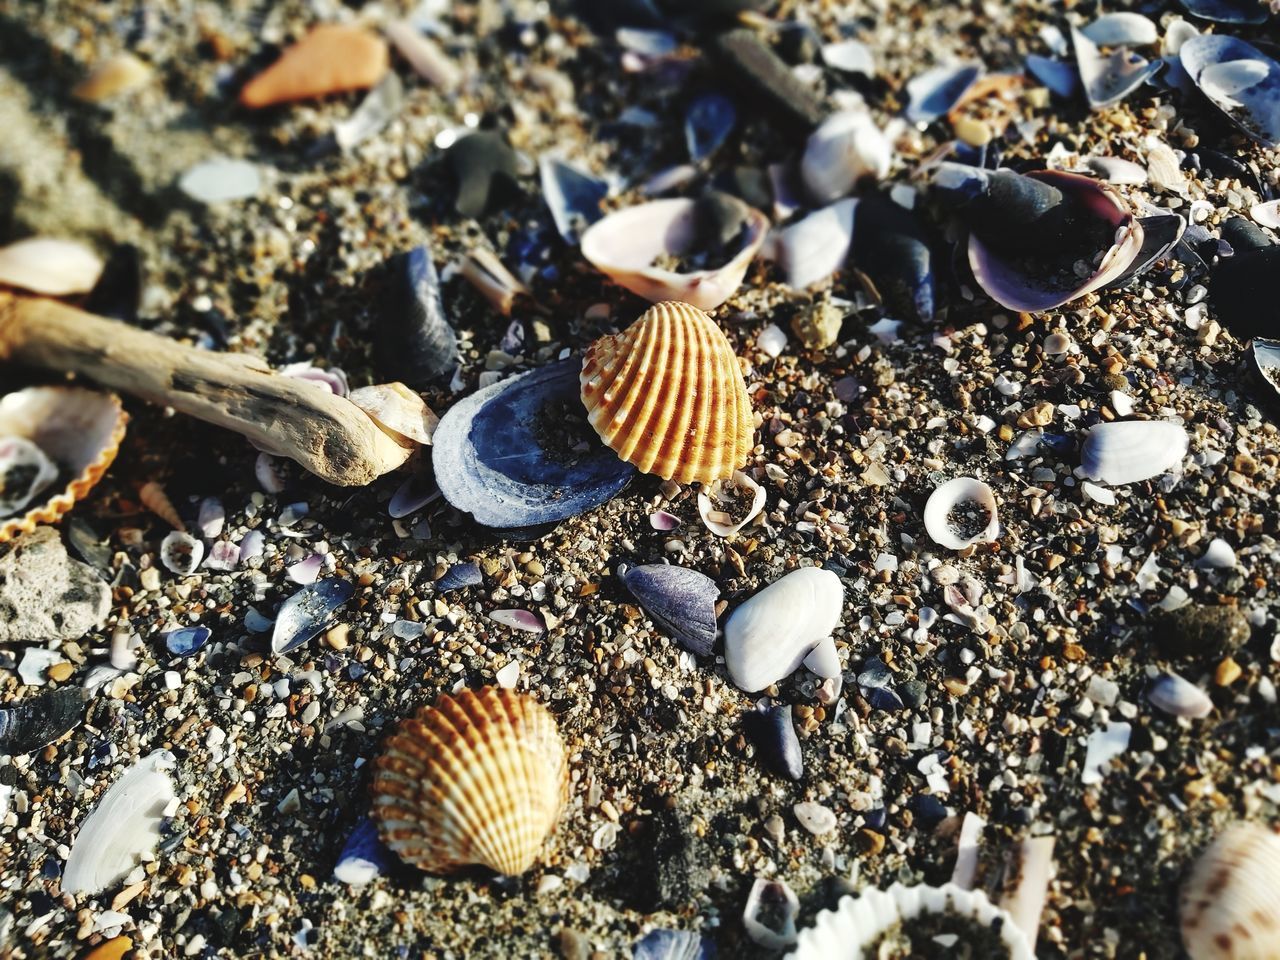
414, 342
681, 600
520, 453
31, 724
891, 249
1226, 11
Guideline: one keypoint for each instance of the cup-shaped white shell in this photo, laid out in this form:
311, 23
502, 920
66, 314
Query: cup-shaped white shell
1128, 451
479, 778
725, 525
769, 636
80, 430
1230, 906
857, 922
960, 494
667, 395
625, 244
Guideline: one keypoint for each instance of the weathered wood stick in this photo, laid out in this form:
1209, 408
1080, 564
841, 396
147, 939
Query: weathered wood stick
328, 435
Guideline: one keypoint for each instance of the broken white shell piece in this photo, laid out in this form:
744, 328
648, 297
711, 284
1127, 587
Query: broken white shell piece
775, 899
50, 266
724, 524
960, 513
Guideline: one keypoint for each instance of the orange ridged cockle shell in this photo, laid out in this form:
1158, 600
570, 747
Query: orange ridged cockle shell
479, 778
78, 429
667, 395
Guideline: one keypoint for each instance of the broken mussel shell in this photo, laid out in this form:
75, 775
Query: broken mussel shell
28, 725
1238, 79
858, 923
519, 453
667, 395
480, 778
414, 342
1108, 78
308, 612
1264, 358
1242, 282
1042, 239
696, 251
76, 430
892, 253
1230, 903
680, 600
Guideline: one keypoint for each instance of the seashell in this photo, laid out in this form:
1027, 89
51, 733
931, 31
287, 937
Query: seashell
332, 58
892, 254
426, 58
960, 513
123, 642
824, 660
484, 271
769, 636
1239, 80
933, 93
1230, 903
398, 411
411, 496
1267, 214
1161, 232
672, 945
770, 914
708, 121
846, 148
123, 827
79, 430
662, 521
211, 518
1226, 11
524, 620
476, 779
1025, 228
112, 77
1182, 698
772, 731
32, 724
1218, 555
681, 601
181, 553
1059, 76
413, 341
153, 496
305, 571
1117, 170
1122, 29
382, 105
56, 268
333, 379
850, 56
812, 249
269, 471
720, 522
1109, 78
520, 453
186, 641
625, 244
221, 180
572, 195
1101, 747
667, 395
308, 612
1129, 451
25, 473
1264, 360
363, 856
856, 924
251, 545
458, 576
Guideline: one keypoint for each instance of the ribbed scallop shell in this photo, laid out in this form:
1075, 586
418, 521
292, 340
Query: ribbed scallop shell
80, 430
475, 779
1230, 905
667, 395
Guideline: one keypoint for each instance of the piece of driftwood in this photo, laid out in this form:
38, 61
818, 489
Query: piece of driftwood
328, 435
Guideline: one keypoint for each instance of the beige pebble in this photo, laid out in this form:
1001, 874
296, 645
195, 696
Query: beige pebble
61, 671
973, 132
336, 636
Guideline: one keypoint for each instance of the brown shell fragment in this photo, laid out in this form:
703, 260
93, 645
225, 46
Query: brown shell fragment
480, 778
667, 395
332, 58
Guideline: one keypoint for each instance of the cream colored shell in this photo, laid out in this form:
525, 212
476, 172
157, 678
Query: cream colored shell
479, 778
1230, 906
79, 429
667, 395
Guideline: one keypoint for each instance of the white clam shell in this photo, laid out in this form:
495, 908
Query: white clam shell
846, 148
123, 827
624, 245
1129, 451
771, 634
717, 525
857, 922
1230, 905
49, 266
944, 500
1114, 29
1179, 697
812, 249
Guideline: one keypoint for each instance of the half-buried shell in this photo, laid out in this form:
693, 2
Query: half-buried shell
1230, 906
79, 430
479, 778
667, 395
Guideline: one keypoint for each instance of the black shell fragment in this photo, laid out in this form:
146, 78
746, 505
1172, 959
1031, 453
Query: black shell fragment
414, 342
33, 723
774, 735
891, 249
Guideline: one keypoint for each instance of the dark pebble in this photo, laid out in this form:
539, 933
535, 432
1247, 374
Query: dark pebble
1200, 630
883, 698
483, 167
929, 811
675, 867
774, 735
764, 78
912, 693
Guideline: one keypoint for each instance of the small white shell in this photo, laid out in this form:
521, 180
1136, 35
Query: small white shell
25, 472
1230, 905
773, 897
1182, 698
845, 932
123, 827
45, 265
625, 244
398, 411
812, 249
1129, 451
181, 553
1116, 29
846, 148
1267, 214
722, 524
771, 634
1218, 555
943, 503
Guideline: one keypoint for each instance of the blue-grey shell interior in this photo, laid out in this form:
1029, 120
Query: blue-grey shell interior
573, 197
672, 945
1160, 234
488, 460
938, 90
33, 723
1254, 109
1227, 11
363, 843
416, 341
681, 600
307, 612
